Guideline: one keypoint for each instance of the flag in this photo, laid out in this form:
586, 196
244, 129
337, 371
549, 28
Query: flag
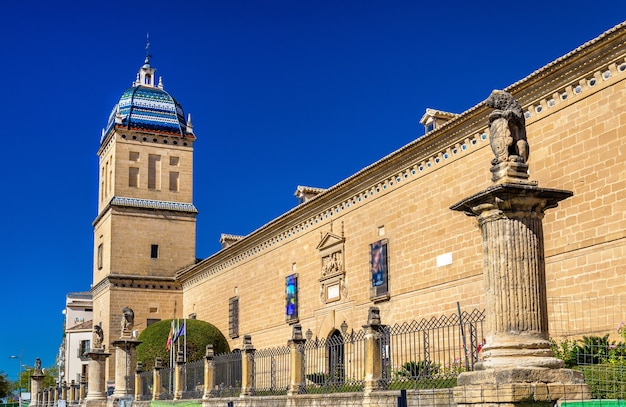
180, 332
169, 338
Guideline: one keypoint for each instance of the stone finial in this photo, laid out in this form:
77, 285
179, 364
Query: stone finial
507, 136
128, 321
247, 343
209, 352
139, 366
158, 363
373, 316
296, 331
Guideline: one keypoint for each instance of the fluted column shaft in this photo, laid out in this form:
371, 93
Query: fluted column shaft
510, 217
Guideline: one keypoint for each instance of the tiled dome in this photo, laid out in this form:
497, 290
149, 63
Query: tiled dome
149, 108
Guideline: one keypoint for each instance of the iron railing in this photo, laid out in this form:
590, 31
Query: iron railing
227, 374
432, 352
271, 371
335, 364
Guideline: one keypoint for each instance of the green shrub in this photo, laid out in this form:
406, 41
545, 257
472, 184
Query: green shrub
199, 334
606, 380
418, 369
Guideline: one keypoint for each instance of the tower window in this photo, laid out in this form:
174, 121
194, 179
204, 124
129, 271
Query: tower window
174, 161
99, 259
133, 177
154, 251
174, 176
154, 171
133, 156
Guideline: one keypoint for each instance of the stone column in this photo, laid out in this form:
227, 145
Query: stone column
156, 379
44, 401
510, 217
138, 382
36, 380
125, 360
178, 375
519, 366
247, 366
55, 395
296, 351
373, 367
96, 386
209, 367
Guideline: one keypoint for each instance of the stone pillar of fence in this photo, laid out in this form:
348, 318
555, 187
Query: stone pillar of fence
55, 394
138, 383
64, 391
72, 395
156, 378
178, 375
373, 366
96, 387
247, 366
296, 365
36, 380
44, 400
81, 389
209, 367
519, 366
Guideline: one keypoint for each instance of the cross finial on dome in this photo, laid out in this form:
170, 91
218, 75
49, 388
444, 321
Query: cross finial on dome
148, 56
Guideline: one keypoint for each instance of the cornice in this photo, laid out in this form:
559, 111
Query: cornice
151, 204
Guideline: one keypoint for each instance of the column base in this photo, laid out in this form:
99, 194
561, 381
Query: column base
517, 387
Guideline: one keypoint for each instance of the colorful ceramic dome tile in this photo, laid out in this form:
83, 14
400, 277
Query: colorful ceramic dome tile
149, 108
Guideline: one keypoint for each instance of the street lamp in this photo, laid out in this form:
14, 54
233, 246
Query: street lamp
19, 379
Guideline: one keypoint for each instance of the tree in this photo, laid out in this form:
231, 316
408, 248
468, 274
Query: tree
5, 385
199, 334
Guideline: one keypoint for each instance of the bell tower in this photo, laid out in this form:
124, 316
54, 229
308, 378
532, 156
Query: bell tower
145, 230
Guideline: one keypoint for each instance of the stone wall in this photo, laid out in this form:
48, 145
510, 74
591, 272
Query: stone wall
576, 120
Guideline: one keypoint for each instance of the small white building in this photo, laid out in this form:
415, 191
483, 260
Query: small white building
77, 339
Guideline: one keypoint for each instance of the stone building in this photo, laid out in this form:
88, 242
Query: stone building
385, 235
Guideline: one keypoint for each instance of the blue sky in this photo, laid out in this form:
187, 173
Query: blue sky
282, 93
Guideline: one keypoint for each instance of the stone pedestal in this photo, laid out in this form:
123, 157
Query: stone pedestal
519, 366
96, 387
247, 366
125, 361
297, 381
36, 389
156, 379
178, 375
209, 367
373, 365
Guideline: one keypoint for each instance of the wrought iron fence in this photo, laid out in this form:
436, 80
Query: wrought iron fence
271, 371
147, 383
167, 384
193, 380
432, 352
335, 364
227, 374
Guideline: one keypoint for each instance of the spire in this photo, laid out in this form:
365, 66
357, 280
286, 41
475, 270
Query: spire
148, 56
146, 73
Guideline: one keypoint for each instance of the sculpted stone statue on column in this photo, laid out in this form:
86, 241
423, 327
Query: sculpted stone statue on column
507, 136
97, 337
128, 321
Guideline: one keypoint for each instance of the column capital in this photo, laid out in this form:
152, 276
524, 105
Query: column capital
504, 199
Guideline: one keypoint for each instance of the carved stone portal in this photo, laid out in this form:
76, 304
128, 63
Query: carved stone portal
333, 272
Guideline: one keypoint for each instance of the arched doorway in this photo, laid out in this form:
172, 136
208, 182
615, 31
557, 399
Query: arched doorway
336, 361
